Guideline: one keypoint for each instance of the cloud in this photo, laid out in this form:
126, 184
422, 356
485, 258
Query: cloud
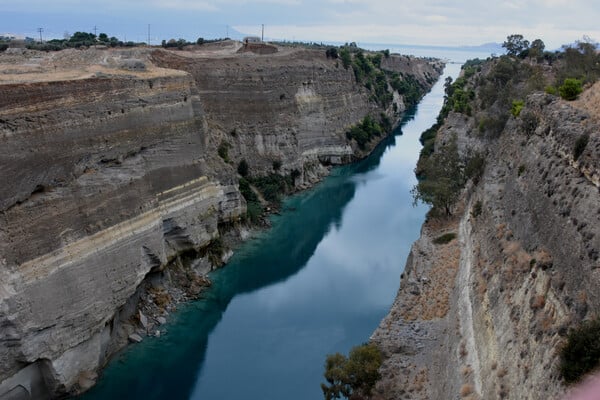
425, 22
190, 5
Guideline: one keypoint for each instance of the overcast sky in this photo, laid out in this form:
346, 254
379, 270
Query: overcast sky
422, 22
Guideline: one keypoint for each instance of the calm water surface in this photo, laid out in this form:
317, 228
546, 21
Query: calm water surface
318, 282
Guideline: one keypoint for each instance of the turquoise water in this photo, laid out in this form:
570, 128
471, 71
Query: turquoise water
318, 282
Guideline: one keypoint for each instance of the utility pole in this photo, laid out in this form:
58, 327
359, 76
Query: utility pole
95, 31
262, 36
148, 34
227, 29
40, 30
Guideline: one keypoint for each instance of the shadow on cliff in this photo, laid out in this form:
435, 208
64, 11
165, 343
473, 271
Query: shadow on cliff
169, 366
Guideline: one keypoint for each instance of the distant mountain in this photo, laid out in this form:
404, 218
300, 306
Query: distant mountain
491, 47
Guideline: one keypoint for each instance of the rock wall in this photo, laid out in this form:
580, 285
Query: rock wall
527, 265
107, 179
111, 171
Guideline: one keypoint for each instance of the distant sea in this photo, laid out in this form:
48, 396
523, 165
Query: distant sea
450, 54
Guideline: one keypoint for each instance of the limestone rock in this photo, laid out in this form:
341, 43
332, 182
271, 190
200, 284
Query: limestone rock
135, 338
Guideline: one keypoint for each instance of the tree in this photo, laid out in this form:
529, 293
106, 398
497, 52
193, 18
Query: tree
331, 52
536, 50
441, 178
103, 37
200, 41
516, 45
346, 58
352, 377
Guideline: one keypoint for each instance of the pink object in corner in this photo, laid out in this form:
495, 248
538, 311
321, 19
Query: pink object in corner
588, 390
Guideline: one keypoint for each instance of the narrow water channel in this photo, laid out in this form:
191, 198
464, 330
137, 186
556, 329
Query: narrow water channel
318, 282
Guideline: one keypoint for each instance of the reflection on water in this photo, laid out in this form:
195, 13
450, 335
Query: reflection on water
318, 282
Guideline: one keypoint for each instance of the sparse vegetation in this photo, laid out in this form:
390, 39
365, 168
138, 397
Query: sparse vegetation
353, 377
581, 353
276, 165
529, 122
223, 150
477, 209
81, 39
445, 238
243, 168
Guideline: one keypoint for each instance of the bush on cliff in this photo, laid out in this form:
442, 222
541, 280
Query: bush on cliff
353, 376
581, 353
243, 168
570, 89
367, 129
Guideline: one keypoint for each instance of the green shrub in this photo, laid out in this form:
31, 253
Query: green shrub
366, 130
276, 165
346, 58
580, 145
517, 106
581, 353
521, 170
445, 238
570, 89
331, 52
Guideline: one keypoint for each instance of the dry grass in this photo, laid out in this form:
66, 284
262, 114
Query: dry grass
463, 350
466, 390
589, 101
162, 298
434, 299
537, 302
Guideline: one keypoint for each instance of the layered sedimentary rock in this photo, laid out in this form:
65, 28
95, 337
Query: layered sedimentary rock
110, 171
294, 106
495, 304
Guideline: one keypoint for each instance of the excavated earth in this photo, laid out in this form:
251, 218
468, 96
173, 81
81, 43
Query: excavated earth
112, 179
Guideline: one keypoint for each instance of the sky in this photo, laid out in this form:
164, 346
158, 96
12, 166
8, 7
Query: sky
422, 22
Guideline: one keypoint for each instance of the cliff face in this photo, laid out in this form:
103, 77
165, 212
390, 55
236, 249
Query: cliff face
110, 172
523, 270
293, 107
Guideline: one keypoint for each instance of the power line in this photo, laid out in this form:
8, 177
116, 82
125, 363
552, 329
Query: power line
148, 34
95, 30
40, 30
